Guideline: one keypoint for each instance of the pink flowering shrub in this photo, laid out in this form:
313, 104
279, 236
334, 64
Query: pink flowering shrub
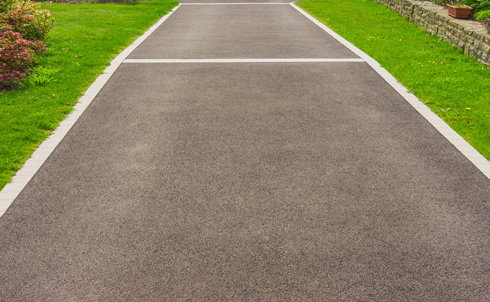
23, 27
16, 55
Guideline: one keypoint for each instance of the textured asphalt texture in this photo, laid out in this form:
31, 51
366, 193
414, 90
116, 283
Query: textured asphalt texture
248, 182
243, 31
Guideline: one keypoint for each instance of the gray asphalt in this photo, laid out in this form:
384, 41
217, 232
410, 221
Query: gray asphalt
248, 31
248, 181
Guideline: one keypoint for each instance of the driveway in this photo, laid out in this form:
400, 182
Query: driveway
241, 153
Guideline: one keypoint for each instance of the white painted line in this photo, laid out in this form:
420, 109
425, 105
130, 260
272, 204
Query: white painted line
452, 136
240, 3
32, 165
292, 60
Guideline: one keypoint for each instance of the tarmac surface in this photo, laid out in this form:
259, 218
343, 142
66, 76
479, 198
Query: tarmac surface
248, 181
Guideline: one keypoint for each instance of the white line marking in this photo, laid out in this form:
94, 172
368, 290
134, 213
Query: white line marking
238, 3
452, 136
299, 60
32, 165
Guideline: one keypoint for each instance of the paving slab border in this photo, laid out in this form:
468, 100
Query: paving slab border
452, 136
32, 165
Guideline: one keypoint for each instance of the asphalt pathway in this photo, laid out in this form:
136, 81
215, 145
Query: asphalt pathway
248, 180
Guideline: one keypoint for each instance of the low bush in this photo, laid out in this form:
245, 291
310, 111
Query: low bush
478, 5
23, 29
481, 11
16, 55
482, 15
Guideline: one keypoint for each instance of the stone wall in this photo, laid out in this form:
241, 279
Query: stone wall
471, 36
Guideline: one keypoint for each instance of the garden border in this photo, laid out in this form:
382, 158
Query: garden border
469, 35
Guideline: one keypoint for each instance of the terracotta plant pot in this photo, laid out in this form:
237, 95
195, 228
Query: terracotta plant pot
459, 12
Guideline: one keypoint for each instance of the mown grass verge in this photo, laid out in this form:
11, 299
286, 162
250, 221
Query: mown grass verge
83, 41
453, 85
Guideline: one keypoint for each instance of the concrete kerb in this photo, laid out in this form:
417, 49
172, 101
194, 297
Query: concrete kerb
452, 136
32, 165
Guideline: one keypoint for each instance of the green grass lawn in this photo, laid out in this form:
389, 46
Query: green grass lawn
83, 41
452, 84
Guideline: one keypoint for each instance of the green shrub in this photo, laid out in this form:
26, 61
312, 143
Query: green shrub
478, 5
482, 15
23, 29
16, 55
